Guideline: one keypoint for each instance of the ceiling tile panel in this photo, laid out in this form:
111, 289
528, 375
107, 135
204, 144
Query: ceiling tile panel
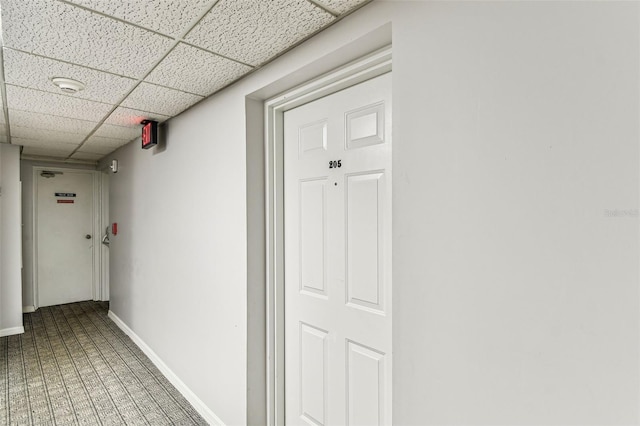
35, 72
46, 135
118, 132
102, 146
46, 152
86, 156
100, 141
39, 147
253, 31
53, 104
341, 6
51, 122
149, 97
39, 143
170, 17
69, 33
131, 117
195, 70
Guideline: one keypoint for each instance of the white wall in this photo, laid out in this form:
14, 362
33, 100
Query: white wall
10, 241
515, 296
516, 128
26, 175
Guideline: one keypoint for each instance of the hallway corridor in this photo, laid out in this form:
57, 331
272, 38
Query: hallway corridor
73, 365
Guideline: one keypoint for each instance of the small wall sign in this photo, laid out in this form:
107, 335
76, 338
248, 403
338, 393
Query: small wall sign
66, 201
65, 194
149, 134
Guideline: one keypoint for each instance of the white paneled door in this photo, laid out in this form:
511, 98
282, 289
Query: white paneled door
338, 258
64, 232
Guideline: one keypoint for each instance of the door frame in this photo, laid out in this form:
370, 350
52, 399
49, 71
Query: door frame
99, 286
365, 68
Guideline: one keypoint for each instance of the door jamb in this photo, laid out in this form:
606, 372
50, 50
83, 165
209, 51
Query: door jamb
97, 284
366, 68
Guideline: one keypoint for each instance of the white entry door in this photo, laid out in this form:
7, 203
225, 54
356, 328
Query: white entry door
65, 240
338, 258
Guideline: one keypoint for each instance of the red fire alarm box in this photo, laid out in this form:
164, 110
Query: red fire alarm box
114, 228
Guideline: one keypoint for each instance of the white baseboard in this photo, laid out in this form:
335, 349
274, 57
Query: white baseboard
11, 331
200, 407
28, 309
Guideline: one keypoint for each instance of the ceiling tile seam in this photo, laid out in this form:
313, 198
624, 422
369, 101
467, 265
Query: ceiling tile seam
257, 67
217, 54
197, 20
115, 18
53, 115
46, 130
175, 42
57, 94
171, 88
324, 7
71, 63
53, 92
32, 157
55, 143
73, 118
3, 93
313, 34
121, 140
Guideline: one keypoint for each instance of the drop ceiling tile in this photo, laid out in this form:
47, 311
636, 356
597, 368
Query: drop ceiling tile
149, 97
35, 72
44, 146
62, 31
51, 122
49, 103
118, 132
341, 6
253, 31
87, 156
132, 117
99, 146
46, 135
171, 17
195, 70
46, 152
39, 143
94, 141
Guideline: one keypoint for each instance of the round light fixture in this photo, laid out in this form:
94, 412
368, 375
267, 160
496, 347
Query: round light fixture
68, 85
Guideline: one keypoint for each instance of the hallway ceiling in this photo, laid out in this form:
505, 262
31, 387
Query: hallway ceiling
139, 59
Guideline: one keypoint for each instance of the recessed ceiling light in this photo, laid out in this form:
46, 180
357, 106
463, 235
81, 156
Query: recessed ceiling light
68, 85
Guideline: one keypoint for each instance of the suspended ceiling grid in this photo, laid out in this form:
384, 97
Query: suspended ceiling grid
139, 59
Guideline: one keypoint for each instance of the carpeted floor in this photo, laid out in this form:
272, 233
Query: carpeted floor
74, 366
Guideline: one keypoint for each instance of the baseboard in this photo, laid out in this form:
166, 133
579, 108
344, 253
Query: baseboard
200, 407
11, 331
28, 309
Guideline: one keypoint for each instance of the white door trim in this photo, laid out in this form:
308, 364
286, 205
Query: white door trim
97, 284
368, 67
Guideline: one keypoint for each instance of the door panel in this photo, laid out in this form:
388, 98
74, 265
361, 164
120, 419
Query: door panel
365, 195
338, 258
365, 385
312, 236
65, 254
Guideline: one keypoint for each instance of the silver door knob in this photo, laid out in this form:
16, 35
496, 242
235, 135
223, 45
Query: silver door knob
88, 237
